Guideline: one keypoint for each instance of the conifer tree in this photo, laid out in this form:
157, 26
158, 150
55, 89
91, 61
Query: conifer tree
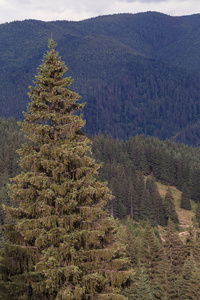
130, 236
149, 250
189, 282
133, 203
157, 201
147, 211
185, 198
165, 280
144, 290
192, 245
62, 244
141, 288
170, 207
174, 248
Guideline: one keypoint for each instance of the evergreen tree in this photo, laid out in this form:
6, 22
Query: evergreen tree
165, 175
185, 198
139, 185
193, 184
192, 244
173, 248
156, 199
146, 208
165, 281
141, 288
62, 245
189, 283
170, 207
133, 203
130, 235
119, 188
149, 250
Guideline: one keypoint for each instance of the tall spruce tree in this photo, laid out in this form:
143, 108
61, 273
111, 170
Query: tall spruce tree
62, 243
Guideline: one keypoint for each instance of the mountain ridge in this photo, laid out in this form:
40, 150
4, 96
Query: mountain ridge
153, 53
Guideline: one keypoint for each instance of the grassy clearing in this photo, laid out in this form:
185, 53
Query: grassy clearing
185, 216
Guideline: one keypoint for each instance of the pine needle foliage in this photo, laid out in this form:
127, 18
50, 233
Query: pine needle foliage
61, 244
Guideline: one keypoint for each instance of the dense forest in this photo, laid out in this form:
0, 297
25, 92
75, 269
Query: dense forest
125, 67
164, 251
131, 168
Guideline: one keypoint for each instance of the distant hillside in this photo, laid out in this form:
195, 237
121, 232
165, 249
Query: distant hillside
138, 73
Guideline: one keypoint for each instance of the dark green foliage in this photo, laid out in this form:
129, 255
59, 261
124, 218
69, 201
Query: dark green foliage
132, 202
166, 277
61, 243
131, 237
173, 248
141, 288
159, 215
185, 198
170, 207
192, 246
194, 183
165, 280
149, 250
146, 207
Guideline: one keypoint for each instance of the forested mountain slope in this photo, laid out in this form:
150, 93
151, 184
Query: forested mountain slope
166, 265
124, 165
138, 73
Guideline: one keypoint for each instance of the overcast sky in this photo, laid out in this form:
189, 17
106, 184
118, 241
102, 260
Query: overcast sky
75, 10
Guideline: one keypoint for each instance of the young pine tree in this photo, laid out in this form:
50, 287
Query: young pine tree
62, 244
